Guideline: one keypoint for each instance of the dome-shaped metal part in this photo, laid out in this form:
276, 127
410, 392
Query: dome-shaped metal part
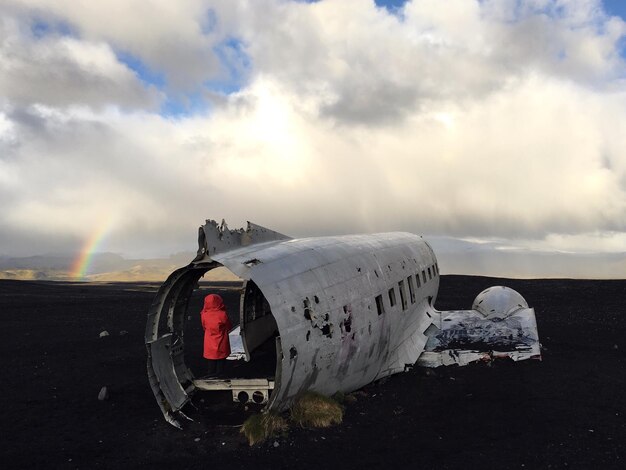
498, 301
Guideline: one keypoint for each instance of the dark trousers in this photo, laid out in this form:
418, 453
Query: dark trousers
216, 367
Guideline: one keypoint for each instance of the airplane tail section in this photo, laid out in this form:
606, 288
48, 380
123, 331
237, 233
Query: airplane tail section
500, 325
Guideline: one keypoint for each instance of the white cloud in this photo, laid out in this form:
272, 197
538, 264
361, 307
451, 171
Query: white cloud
176, 38
60, 71
492, 120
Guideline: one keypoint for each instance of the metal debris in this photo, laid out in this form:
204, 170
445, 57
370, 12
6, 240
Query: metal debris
339, 312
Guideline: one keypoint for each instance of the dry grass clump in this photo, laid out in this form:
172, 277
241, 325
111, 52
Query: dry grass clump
261, 426
315, 410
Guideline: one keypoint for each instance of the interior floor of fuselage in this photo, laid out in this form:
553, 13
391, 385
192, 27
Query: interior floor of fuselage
261, 365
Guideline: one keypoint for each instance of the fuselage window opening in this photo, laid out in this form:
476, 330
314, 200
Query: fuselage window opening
424, 276
379, 304
417, 278
392, 297
402, 295
430, 276
409, 281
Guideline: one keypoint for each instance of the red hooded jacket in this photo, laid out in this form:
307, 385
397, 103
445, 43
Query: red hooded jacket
216, 328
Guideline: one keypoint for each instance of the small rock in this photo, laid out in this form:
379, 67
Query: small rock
104, 333
104, 394
123, 333
197, 439
615, 346
276, 444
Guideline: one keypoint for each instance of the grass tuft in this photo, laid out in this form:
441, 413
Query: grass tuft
262, 426
315, 410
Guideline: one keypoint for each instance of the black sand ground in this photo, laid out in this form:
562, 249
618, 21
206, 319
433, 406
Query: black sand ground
567, 411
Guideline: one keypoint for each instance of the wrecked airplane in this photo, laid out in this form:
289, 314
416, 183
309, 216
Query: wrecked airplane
339, 312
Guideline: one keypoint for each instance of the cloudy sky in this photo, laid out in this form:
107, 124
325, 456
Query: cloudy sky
497, 123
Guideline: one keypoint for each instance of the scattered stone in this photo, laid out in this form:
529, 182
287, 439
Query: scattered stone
123, 333
615, 346
197, 439
104, 333
276, 444
104, 394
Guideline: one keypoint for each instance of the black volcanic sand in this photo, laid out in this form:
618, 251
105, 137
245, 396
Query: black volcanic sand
567, 411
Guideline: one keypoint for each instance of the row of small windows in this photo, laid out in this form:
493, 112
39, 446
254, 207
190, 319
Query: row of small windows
380, 306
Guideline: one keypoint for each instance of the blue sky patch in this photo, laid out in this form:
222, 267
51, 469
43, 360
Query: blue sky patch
187, 104
236, 63
41, 29
145, 73
615, 8
390, 4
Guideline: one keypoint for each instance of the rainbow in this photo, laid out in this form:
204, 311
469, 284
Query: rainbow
84, 258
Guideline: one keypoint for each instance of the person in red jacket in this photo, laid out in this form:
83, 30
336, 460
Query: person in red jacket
216, 327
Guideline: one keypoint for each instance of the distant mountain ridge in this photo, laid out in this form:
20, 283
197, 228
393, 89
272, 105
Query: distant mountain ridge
103, 267
460, 257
